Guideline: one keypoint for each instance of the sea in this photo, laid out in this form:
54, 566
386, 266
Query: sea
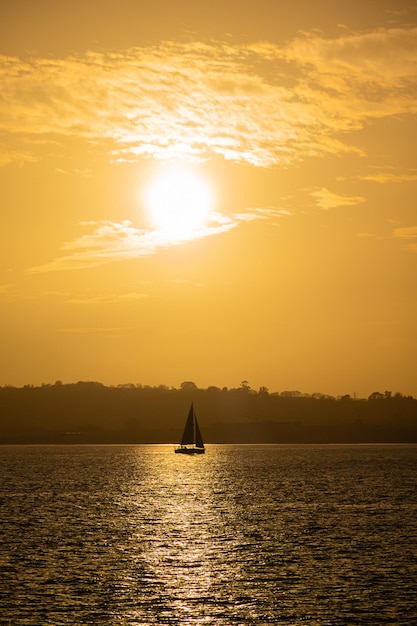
245, 534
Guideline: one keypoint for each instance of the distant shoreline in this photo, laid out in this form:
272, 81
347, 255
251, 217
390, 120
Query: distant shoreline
91, 413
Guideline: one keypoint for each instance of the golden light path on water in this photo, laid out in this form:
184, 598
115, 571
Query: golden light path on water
188, 550
249, 535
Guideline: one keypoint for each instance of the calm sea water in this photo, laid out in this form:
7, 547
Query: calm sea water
118, 535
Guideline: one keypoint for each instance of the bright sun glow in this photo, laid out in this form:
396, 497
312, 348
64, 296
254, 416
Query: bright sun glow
178, 201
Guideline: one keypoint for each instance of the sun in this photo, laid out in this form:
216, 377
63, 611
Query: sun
178, 201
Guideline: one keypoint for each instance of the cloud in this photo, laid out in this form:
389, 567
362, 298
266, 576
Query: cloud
116, 241
6, 288
409, 234
10, 155
382, 56
261, 104
389, 177
326, 199
368, 236
122, 298
263, 213
94, 330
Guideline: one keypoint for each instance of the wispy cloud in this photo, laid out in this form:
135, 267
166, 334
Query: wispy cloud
326, 199
113, 298
283, 103
115, 241
390, 177
6, 288
409, 234
261, 213
367, 236
94, 330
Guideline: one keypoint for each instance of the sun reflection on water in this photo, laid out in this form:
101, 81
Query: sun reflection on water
191, 541
137, 535
179, 549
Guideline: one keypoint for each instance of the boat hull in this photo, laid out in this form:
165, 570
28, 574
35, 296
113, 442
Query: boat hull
184, 450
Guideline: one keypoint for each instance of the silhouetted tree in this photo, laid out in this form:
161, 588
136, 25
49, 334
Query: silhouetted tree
188, 386
96, 413
376, 395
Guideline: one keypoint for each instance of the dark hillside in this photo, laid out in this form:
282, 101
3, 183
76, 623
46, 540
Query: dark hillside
89, 412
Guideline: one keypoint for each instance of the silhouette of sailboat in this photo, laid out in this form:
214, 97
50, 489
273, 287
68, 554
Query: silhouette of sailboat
192, 441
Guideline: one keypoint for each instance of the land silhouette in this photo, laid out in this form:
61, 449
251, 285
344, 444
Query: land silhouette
90, 412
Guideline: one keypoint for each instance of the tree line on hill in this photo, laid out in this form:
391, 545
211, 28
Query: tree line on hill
90, 412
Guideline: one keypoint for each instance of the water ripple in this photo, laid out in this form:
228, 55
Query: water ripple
134, 535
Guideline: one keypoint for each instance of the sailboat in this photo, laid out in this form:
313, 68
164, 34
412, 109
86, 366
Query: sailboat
192, 441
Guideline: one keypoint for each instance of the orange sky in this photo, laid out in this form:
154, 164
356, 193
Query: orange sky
292, 126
